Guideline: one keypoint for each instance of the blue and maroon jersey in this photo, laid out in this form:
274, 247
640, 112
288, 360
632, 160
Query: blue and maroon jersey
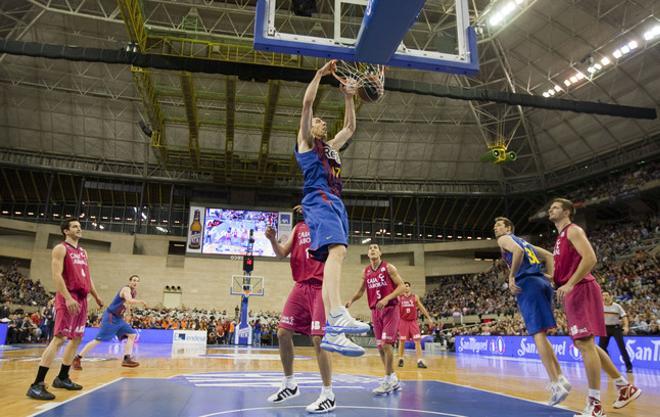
117, 306
321, 168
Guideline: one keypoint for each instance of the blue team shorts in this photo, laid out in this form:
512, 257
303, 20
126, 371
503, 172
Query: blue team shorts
535, 303
327, 219
112, 326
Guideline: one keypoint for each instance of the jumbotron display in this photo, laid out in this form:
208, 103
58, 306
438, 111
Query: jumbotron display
222, 231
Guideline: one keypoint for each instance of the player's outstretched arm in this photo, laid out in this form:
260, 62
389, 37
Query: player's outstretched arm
128, 297
281, 250
424, 311
349, 119
358, 294
305, 131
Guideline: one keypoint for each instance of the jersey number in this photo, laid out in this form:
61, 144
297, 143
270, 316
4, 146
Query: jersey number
532, 256
336, 171
378, 294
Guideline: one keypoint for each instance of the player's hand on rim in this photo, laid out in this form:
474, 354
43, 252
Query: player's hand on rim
328, 68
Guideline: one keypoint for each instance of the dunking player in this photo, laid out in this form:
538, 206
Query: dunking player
324, 210
583, 304
383, 285
113, 324
534, 296
302, 313
409, 304
73, 283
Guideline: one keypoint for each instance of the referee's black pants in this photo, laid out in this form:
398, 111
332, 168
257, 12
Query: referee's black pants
616, 332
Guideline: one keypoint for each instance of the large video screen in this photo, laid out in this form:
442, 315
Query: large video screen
226, 231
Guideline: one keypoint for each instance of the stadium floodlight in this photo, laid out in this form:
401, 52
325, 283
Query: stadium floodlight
567, 83
617, 54
624, 49
652, 33
551, 92
598, 66
545, 94
573, 79
605, 61
591, 70
633, 45
557, 88
579, 75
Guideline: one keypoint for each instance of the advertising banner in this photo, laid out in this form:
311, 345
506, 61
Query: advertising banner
195, 229
144, 335
189, 337
644, 351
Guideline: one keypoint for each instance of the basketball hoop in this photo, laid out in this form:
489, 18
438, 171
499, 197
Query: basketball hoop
368, 79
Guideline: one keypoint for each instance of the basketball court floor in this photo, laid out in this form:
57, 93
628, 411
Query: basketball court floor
233, 381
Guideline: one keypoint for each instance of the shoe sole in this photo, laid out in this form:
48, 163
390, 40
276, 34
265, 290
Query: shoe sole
285, 399
631, 399
330, 347
34, 397
562, 398
322, 411
68, 389
130, 366
346, 330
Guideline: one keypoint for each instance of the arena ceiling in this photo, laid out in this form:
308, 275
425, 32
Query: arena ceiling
232, 131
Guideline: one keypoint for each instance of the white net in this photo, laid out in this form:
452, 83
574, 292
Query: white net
369, 79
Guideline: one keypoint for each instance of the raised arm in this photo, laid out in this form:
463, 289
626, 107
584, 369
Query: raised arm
349, 119
281, 250
305, 132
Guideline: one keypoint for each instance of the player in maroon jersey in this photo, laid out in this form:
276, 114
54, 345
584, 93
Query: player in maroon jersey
303, 313
583, 304
409, 304
383, 285
73, 283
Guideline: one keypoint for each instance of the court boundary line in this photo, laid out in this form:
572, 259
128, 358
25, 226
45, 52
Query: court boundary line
82, 394
504, 395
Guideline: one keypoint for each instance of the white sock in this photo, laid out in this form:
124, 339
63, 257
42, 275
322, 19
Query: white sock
290, 381
327, 391
391, 377
621, 381
594, 393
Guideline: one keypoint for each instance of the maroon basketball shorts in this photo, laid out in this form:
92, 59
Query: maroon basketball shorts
584, 311
409, 330
386, 325
303, 311
70, 325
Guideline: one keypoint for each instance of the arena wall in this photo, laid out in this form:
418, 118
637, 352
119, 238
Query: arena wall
205, 281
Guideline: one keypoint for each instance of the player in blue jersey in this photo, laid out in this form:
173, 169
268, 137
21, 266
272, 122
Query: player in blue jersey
534, 295
324, 211
113, 324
